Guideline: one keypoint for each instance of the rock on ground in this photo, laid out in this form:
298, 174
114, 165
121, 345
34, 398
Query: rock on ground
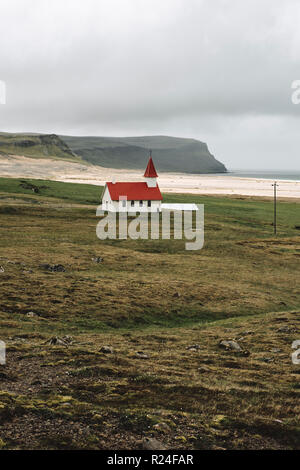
107, 350
150, 443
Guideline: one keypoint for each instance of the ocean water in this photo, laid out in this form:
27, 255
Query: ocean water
265, 174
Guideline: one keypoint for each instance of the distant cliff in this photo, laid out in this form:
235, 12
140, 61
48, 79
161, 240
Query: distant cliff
169, 153
36, 146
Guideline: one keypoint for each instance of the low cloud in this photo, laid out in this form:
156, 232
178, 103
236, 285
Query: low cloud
219, 71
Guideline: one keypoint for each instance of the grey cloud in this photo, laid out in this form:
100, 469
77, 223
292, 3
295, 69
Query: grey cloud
220, 71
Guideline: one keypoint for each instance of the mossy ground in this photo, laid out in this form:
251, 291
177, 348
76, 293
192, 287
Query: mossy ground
150, 296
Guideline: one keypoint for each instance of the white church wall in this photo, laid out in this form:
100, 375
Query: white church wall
126, 206
151, 182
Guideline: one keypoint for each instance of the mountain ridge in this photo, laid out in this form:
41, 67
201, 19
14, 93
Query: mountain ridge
172, 154
36, 146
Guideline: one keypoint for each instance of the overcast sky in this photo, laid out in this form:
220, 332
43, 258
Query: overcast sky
216, 70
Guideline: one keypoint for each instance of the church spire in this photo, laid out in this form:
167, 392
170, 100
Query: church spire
150, 170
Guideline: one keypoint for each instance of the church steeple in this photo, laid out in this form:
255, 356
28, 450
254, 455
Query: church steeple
150, 172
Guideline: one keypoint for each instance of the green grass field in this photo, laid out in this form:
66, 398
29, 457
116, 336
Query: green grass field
151, 296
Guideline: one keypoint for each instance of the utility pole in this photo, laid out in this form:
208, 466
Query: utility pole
275, 186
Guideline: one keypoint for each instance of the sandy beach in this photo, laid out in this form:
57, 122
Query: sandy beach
58, 170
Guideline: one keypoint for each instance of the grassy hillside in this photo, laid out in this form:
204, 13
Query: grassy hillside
45, 189
150, 296
170, 153
36, 146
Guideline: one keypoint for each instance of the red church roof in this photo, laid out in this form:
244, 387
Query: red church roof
134, 191
150, 170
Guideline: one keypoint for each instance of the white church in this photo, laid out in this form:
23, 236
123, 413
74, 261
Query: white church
144, 196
